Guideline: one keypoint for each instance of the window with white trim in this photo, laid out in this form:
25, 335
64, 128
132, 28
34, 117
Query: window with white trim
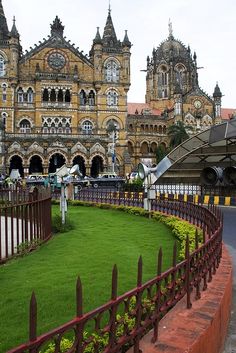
87, 127
2, 66
4, 92
25, 126
30, 95
20, 95
112, 98
112, 71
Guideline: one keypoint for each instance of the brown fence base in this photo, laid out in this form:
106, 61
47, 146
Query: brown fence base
202, 329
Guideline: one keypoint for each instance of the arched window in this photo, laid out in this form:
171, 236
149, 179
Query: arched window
82, 96
144, 148
4, 119
25, 126
67, 96
20, 95
2, 66
130, 147
180, 75
112, 71
87, 127
163, 82
53, 95
4, 92
45, 95
91, 98
112, 98
30, 95
60, 96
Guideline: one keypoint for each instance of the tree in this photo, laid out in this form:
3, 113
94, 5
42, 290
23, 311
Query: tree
161, 152
178, 133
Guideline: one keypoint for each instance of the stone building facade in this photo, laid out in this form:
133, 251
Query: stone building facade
59, 106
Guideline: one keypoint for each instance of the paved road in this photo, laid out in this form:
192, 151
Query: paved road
229, 238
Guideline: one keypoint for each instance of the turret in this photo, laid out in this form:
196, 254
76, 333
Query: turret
4, 33
96, 57
15, 50
217, 95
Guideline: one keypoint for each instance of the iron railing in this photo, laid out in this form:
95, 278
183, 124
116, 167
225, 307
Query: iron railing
25, 220
123, 320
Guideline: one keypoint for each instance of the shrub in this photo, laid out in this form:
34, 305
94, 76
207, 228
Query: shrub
58, 227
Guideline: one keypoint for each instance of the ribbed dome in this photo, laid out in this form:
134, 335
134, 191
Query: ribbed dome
171, 48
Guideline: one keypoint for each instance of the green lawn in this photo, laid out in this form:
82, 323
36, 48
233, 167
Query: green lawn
100, 239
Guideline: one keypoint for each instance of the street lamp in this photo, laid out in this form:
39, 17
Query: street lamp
111, 129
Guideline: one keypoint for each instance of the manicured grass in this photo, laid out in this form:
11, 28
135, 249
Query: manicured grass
100, 239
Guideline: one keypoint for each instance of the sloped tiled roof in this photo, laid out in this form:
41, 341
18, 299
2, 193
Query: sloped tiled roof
138, 108
227, 113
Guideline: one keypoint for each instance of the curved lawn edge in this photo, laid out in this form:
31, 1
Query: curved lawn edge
180, 228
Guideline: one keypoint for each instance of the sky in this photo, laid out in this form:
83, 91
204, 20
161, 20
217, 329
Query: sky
208, 26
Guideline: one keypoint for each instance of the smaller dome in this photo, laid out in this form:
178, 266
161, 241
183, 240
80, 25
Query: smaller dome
217, 92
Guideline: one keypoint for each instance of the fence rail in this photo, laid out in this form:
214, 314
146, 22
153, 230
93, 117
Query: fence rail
25, 220
123, 320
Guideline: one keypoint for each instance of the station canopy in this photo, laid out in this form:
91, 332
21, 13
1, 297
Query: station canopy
214, 147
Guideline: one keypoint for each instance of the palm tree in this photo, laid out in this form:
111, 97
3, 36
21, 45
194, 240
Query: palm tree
178, 133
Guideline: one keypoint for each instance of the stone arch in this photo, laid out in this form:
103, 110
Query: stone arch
16, 162
25, 117
81, 161
97, 165
130, 147
35, 164
115, 118
153, 147
144, 147
56, 159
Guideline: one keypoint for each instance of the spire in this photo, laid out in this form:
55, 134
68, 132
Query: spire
57, 28
170, 29
97, 39
109, 34
4, 33
126, 41
217, 92
14, 33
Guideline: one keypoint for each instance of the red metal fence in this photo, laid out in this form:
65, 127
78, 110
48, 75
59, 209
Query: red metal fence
25, 220
124, 319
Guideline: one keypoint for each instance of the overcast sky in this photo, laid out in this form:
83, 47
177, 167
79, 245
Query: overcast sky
208, 26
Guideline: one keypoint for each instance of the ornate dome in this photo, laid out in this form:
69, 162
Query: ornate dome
171, 49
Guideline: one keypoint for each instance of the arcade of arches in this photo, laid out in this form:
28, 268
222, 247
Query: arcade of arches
57, 160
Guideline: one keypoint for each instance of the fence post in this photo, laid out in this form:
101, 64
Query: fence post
138, 305
158, 294
188, 286
79, 314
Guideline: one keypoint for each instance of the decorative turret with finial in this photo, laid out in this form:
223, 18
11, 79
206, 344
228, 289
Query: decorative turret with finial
14, 32
57, 28
217, 95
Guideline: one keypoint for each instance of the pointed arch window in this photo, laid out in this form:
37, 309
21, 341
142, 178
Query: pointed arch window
53, 95
67, 96
4, 92
45, 95
60, 96
2, 66
112, 71
25, 126
91, 98
87, 127
112, 98
82, 96
4, 119
20, 95
30, 95
180, 75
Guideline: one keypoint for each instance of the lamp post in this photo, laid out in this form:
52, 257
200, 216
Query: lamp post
111, 129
